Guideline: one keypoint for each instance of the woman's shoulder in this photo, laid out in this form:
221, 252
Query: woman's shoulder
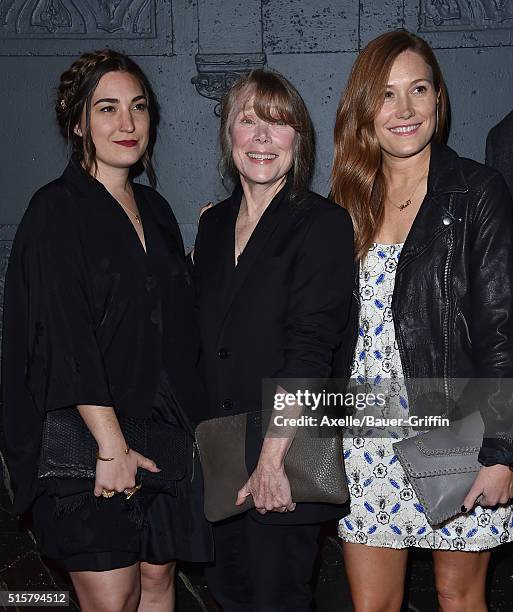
50, 205
320, 209
467, 174
216, 213
151, 195
157, 202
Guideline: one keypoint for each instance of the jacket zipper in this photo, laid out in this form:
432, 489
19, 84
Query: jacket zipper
400, 342
447, 310
194, 445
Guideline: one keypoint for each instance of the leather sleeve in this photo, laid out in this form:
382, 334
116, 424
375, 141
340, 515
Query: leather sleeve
491, 286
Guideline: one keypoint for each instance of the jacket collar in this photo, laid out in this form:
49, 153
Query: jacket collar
91, 193
436, 214
445, 174
79, 178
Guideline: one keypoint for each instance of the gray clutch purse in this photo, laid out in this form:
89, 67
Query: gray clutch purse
442, 465
314, 467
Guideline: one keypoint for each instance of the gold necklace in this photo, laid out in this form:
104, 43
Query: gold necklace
134, 215
404, 205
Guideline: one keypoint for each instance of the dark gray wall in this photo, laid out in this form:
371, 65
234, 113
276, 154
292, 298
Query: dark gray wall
191, 50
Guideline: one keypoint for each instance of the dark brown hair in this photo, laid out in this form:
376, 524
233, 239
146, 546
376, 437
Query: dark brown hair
75, 92
274, 99
357, 180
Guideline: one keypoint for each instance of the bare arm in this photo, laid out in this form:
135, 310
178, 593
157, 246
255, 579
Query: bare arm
119, 473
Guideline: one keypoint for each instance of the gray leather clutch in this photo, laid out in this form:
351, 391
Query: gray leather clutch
442, 465
314, 467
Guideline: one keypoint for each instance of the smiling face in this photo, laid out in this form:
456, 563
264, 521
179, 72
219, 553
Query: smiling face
262, 152
407, 120
119, 121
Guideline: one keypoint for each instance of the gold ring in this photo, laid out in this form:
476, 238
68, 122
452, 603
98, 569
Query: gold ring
132, 491
108, 494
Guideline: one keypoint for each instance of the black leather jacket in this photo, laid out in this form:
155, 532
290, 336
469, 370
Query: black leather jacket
453, 297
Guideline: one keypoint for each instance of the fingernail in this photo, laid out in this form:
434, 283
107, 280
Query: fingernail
463, 508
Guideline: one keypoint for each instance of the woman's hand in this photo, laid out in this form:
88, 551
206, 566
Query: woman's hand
204, 208
119, 474
493, 485
269, 487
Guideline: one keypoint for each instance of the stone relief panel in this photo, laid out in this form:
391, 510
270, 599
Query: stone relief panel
453, 15
32, 27
451, 24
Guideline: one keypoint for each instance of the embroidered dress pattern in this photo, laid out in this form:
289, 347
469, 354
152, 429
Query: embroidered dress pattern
385, 511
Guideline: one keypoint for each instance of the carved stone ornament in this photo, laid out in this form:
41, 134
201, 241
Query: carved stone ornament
218, 71
31, 27
467, 15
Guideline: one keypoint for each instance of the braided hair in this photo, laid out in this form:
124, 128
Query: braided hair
75, 92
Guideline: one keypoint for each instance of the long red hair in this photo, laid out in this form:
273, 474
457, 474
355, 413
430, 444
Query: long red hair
357, 181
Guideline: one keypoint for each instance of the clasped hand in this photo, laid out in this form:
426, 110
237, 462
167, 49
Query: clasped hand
270, 489
493, 485
119, 474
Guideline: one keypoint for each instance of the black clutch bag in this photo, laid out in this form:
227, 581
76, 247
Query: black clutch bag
69, 449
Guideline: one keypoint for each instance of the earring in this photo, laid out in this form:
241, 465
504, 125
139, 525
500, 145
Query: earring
436, 124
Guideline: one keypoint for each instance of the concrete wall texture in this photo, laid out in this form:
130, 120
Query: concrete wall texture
192, 49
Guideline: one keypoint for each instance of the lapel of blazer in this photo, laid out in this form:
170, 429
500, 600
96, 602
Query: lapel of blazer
277, 210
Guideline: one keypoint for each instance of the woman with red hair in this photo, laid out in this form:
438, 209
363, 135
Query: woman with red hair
434, 244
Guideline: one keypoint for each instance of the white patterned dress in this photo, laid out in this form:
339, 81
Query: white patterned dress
384, 508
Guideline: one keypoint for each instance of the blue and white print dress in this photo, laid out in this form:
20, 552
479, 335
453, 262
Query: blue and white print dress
384, 508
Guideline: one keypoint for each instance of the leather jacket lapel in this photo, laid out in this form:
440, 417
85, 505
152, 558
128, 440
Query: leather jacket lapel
435, 215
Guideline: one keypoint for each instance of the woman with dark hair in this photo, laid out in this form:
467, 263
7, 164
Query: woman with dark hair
434, 244
98, 319
274, 268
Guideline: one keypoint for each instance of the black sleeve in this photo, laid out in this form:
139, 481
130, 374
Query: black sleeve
320, 296
491, 288
49, 301
50, 358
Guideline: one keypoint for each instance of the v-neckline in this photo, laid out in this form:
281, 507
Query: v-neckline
142, 216
260, 227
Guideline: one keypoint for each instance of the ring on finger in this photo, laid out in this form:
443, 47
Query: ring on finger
107, 493
132, 491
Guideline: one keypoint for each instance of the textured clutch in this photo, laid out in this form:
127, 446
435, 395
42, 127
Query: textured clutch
314, 467
68, 448
442, 465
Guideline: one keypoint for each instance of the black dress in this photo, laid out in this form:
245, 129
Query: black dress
90, 318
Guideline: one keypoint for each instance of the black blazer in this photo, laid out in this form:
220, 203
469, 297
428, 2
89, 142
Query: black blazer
279, 313
499, 149
89, 317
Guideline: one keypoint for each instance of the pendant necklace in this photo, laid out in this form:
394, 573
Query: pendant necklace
131, 212
404, 205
